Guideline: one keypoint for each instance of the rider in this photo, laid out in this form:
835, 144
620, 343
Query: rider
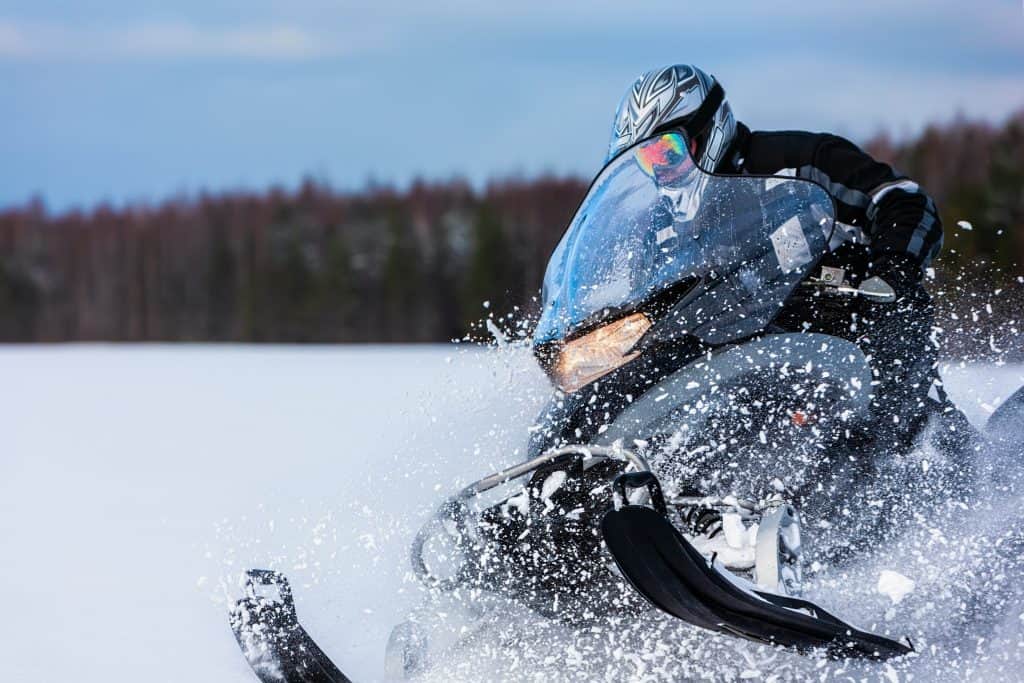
887, 232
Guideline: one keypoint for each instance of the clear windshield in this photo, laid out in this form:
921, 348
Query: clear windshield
652, 218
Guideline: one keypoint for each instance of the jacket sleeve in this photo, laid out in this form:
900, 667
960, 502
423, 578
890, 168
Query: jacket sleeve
896, 215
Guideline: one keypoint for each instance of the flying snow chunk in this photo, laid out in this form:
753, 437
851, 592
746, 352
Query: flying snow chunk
553, 482
964, 225
894, 585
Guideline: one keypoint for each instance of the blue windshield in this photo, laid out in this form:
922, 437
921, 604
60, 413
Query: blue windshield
653, 218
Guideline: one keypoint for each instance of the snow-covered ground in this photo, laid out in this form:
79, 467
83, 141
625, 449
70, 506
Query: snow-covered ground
137, 482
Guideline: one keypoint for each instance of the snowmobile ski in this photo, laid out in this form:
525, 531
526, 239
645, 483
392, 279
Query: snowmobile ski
667, 570
277, 647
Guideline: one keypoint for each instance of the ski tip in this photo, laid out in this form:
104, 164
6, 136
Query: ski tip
272, 640
677, 579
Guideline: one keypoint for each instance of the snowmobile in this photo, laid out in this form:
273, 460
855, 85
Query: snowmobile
686, 444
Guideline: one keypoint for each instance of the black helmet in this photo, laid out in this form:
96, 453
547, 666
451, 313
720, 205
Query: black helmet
676, 97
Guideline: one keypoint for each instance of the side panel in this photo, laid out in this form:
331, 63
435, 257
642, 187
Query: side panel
831, 371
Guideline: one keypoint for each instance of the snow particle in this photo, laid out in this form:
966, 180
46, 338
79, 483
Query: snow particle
894, 585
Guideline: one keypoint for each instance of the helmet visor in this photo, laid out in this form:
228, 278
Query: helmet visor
664, 157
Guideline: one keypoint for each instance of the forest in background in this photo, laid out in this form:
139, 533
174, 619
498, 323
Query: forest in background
414, 265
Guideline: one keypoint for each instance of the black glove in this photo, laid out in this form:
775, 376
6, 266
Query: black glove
899, 271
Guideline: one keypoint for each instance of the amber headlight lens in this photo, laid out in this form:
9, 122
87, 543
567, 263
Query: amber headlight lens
581, 361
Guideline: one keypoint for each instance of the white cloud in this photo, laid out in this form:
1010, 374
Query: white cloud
13, 41
176, 41
1002, 20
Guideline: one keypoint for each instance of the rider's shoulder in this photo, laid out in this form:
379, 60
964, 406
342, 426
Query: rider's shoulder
770, 150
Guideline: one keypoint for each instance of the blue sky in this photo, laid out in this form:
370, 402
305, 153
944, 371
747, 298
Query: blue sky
140, 100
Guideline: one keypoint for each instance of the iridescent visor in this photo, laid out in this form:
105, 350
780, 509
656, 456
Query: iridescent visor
653, 218
664, 157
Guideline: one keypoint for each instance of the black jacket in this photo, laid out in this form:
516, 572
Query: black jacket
880, 212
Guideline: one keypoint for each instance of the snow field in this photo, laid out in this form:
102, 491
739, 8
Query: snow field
136, 483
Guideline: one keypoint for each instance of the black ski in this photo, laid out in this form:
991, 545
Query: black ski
274, 643
666, 569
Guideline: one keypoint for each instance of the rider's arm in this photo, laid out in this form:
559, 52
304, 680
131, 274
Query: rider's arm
897, 216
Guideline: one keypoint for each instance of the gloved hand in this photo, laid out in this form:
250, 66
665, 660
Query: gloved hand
900, 272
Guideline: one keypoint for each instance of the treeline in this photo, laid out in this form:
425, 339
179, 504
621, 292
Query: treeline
318, 265
310, 266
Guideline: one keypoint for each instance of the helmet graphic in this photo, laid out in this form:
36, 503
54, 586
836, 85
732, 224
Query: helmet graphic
682, 97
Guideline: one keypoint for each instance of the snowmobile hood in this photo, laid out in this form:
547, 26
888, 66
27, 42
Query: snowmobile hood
654, 225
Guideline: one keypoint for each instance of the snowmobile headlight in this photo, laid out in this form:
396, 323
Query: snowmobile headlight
583, 360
